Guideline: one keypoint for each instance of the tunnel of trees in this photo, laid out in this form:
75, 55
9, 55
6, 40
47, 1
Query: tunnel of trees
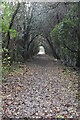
26, 26
34, 85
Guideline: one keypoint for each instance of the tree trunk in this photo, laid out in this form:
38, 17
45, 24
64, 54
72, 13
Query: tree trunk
53, 50
10, 26
78, 59
78, 35
78, 53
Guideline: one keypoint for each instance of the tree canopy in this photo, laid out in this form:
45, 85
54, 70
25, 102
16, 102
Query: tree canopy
26, 25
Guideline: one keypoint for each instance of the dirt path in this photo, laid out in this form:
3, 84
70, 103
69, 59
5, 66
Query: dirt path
41, 88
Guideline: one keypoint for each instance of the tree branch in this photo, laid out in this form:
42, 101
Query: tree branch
69, 48
31, 41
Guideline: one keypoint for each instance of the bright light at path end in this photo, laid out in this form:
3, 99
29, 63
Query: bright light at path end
41, 50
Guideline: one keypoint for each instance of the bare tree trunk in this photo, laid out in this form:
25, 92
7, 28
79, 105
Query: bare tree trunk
26, 37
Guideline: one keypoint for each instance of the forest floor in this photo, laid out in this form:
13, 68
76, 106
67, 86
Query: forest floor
42, 87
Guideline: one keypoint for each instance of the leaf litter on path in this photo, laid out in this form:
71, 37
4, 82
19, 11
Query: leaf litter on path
41, 88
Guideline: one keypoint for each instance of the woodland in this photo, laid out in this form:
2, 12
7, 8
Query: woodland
54, 26
28, 77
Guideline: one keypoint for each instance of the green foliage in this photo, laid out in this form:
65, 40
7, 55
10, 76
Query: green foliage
9, 70
6, 19
64, 38
60, 116
6, 63
13, 33
6, 58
